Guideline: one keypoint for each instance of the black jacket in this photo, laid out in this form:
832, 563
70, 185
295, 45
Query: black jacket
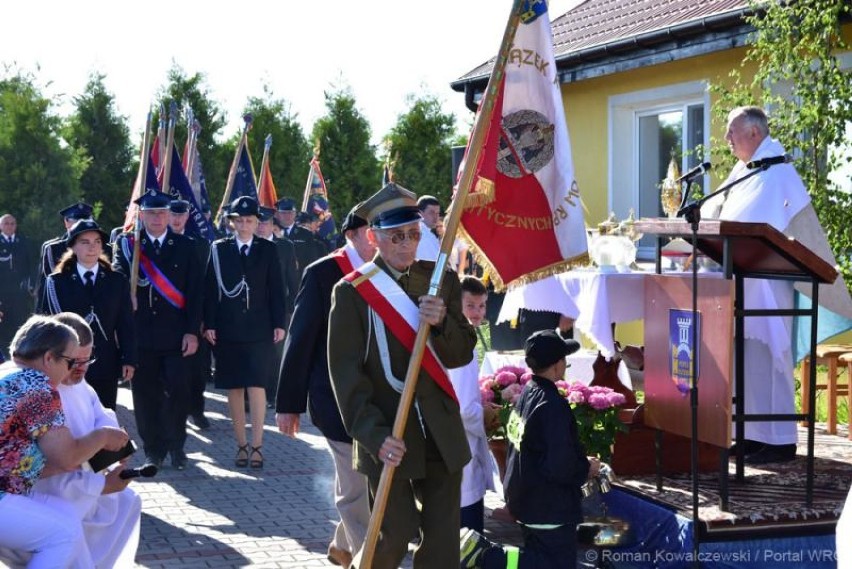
113, 330
289, 271
304, 379
16, 266
252, 315
308, 247
544, 476
160, 325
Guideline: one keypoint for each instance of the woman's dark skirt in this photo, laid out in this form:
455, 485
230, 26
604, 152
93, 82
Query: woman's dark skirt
240, 365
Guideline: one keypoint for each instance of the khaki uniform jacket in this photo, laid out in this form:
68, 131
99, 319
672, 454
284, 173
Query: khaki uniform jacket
368, 403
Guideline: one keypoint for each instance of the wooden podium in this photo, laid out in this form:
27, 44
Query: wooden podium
744, 250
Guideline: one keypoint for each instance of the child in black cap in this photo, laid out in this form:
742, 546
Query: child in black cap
546, 466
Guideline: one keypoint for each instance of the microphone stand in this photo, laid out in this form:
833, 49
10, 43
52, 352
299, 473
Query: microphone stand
692, 214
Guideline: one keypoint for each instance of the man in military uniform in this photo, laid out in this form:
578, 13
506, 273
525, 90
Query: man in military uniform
374, 315
304, 379
285, 216
308, 246
200, 362
289, 268
168, 318
16, 266
53, 249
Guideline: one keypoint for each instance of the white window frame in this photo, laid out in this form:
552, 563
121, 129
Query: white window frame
623, 133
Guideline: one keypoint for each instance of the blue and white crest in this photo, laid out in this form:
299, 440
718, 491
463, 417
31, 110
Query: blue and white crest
683, 354
532, 9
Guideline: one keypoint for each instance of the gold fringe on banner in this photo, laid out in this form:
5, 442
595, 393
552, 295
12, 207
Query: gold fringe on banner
482, 194
499, 286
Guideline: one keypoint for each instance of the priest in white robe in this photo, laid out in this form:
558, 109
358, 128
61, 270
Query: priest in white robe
778, 197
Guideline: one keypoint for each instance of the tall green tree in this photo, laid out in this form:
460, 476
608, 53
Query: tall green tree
102, 135
420, 145
193, 91
791, 69
348, 159
290, 151
39, 172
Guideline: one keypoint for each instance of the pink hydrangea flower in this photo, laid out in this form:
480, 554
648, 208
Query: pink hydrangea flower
517, 370
487, 395
575, 397
506, 378
525, 378
616, 399
598, 401
511, 393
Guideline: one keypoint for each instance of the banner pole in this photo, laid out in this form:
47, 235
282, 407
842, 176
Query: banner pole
480, 129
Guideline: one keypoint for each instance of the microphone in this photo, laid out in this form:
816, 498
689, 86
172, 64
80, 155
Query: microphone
699, 170
767, 162
146, 471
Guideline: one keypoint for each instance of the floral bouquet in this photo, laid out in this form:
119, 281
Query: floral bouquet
596, 411
499, 393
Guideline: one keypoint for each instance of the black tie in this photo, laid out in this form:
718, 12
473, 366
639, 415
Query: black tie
156, 246
89, 277
244, 250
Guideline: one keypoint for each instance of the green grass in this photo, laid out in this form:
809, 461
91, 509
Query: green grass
822, 396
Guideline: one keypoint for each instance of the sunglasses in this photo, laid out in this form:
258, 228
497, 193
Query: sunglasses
398, 237
72, 363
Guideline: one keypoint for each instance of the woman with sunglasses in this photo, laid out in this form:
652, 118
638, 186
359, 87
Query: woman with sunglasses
85, 284
34, 442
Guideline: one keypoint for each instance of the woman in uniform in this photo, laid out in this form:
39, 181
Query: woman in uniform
244, 315
84, 283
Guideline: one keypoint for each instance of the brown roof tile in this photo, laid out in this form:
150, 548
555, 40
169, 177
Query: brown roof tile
598, 23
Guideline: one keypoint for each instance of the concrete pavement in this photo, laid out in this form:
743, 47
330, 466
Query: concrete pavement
216, 515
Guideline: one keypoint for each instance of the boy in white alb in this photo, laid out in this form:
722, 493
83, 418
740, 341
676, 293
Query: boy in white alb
476, 477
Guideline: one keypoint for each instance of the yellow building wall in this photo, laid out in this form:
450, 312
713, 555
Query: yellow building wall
587, 114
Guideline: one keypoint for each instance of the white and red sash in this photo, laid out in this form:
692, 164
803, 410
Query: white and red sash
399, 314
347, 258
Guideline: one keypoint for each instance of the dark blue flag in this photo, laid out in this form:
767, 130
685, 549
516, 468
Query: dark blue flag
180, 188
244, 182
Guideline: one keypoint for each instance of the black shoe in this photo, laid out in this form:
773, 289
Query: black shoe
178, 460
772, 453
749, 446
201, 421
472, 548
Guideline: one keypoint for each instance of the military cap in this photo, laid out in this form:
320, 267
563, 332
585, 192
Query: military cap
79, 210
392, 206
265, 213
545, 347
354, 219
285, 204
153, 199
179, 206
306, 217
243, 206
82, 226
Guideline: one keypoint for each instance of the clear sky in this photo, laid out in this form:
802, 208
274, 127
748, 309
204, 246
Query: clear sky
383, 50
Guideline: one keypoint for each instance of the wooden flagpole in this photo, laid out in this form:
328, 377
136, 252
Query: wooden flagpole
170, 142
480, 130
143, 178
229, 186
